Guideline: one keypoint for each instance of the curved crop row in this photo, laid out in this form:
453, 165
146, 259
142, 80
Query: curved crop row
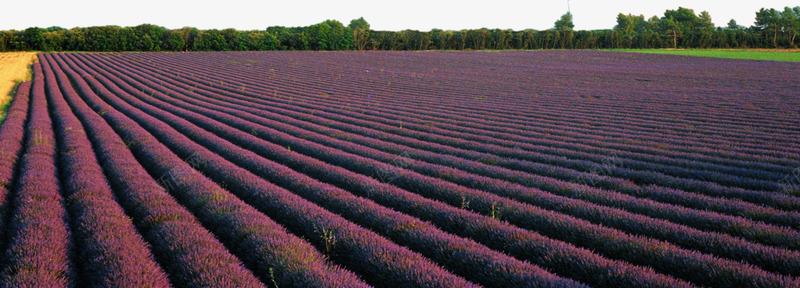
305, 65
475, 261
39, 240
402, 106
262, 244
713, 243
700, 219
378, 260
746, 274
12, 133
703, 220
590, 267
433, 169
111, 251
376, 217
190, 254
723, 205
549, 148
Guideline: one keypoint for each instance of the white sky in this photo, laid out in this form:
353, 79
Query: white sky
390, 15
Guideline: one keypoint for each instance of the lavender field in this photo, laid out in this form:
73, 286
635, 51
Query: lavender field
401, 169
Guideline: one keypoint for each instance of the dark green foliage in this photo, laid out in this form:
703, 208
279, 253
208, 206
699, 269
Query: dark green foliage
174, 41
564, 31
258, 41
330, 35
232, 40
210, 40
565, 23
360, 29
359, 23
33, 38
679, 28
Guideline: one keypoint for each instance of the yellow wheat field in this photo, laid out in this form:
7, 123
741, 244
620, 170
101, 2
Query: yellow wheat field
14, 67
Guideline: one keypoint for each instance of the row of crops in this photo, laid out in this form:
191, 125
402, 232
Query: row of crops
401, 169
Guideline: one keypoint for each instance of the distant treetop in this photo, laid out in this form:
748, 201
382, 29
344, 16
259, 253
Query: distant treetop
679, 28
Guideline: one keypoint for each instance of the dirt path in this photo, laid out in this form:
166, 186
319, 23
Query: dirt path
14, 68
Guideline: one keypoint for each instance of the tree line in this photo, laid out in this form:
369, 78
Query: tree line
680, 28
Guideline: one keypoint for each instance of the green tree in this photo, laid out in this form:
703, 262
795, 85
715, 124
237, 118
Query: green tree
685, 28
329, 35
705, 28
5, 40
631, 29
360, 29
359, 23
174, 41
790, 22
732, 25
258, 41
342, 34
34, 39
76, 40
500, 39
127, 39
232, 41
103, 38
320, 36
294, 38
54, 40
477, 38
299, 40
767, 21
148, 37
565, 23
673, 28
680, 24
564, 30
210, 40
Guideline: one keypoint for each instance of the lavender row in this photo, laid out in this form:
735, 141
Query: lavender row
720, 223
521, 243
12, 133
546, 170
356, 70
377, 259
263, 244
724, 224
546, 144
481, 75
39, 243
305, 88
448, 97
355, 104
528, 216
642, 173
703, 220
549, 141
417, 117
471, 259
577, 170
110, 252
189, 254
723, 245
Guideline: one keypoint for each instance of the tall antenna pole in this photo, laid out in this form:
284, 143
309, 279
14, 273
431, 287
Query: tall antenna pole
568, 9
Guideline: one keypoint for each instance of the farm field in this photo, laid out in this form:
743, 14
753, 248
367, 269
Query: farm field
401, 169
792, 55
14, 68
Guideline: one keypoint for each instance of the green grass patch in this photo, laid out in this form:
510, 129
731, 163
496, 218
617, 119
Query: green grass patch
6, 105
773, 55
